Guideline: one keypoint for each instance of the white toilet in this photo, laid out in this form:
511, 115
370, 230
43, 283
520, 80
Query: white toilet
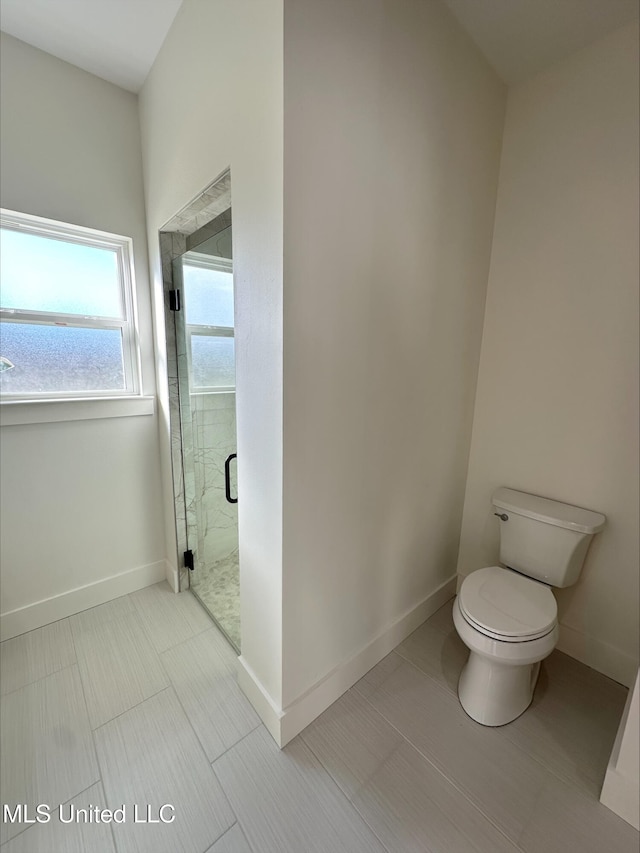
508, 617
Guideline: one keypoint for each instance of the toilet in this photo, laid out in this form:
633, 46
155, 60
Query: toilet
507, 615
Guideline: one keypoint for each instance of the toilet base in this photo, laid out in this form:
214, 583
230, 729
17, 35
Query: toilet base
493, 693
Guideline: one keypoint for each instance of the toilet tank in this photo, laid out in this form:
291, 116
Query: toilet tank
544, 539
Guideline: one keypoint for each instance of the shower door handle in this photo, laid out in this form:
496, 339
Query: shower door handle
227, 478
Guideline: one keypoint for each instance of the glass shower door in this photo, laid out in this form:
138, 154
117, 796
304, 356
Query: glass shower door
206, 380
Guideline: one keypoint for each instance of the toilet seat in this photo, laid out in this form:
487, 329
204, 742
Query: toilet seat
506, 606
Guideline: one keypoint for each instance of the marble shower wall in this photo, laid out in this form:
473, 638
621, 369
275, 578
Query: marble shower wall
213, 238
203, 212
213, 201
172, 245
213, 419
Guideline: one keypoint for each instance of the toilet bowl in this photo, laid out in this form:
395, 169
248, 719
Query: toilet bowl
509, 624
508, 617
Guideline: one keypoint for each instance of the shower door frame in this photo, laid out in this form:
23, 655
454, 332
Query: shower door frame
210, 207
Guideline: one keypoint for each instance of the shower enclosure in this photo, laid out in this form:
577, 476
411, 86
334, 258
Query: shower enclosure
198, 274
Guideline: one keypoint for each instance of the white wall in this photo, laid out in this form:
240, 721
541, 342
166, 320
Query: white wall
392, 134
557, 400
212, 100
393, 124
80, 499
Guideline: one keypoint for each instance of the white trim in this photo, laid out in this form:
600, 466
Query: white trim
621, 796
173, 576
207, 262
192, 330
285, 724
131, 341
600, 656
17, 412
210, 331
122, 246
268, 712
63, 230
200, 393
65, 604
621, 788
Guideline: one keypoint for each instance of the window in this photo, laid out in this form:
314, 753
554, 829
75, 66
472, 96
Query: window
208, 287
67, 315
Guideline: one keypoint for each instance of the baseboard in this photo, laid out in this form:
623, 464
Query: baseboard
251, 686
600, 656
622, 795
173, 576
621, 788
285, 724
57, 607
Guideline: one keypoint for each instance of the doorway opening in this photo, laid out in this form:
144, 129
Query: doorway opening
197, 260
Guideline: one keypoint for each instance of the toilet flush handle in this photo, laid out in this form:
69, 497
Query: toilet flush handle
502, 516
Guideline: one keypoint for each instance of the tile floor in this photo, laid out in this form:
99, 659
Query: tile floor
136, 702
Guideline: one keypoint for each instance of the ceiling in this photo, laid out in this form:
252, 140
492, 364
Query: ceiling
522, 37
119, 39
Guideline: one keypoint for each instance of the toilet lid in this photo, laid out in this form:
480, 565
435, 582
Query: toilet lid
502, 602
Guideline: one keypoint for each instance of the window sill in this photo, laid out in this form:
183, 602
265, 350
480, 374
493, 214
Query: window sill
15, 413
208, 393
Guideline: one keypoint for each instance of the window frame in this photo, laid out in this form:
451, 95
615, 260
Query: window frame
127, 324
196, 259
